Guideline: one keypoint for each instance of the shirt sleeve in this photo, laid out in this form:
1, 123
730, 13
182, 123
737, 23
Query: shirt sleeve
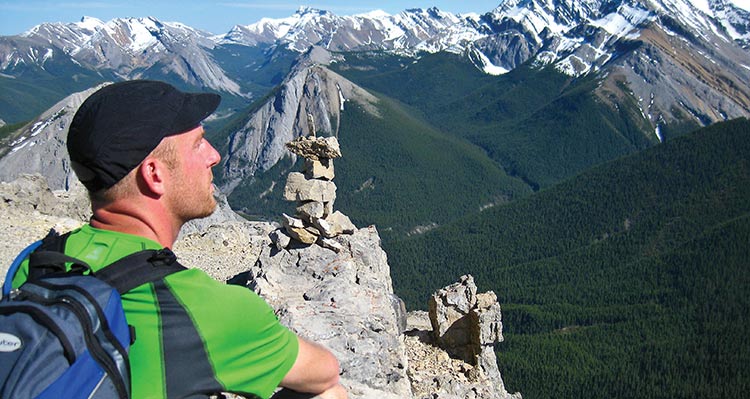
249, 349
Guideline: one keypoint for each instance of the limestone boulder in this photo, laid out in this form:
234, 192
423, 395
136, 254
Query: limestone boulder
334, 224
280, 239
299, 188
297, 230
454, 321
310, 210
457, 358
320, 169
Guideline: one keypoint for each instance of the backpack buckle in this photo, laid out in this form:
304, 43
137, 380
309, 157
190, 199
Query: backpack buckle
164, 256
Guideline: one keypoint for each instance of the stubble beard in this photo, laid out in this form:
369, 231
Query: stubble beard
193, 203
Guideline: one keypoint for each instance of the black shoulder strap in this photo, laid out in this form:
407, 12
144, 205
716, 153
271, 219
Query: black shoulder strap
140, 268
125, 274
49, 257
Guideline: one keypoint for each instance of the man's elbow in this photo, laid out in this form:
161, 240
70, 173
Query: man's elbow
333, 369
328, 377
315, 370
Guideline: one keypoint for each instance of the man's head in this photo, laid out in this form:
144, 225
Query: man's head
117, 127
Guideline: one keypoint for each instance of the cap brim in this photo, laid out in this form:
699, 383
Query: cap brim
195, 108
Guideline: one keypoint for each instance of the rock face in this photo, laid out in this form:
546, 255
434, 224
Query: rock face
28, 210
32, 193
310, 89
345, 301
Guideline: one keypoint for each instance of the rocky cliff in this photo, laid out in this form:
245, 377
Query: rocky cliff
342, 299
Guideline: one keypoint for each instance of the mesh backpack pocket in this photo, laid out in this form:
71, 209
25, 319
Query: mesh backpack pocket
66, 337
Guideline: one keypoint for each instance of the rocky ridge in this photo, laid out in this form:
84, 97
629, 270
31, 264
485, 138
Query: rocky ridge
342, 299
310, 89
129, 47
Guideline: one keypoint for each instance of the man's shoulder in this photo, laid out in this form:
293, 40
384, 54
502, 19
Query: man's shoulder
195, 289
198, 282
99, 247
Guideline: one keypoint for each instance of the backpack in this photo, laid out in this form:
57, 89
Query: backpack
63, 334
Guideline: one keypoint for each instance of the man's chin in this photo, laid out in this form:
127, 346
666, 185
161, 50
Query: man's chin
210, 211
204, 213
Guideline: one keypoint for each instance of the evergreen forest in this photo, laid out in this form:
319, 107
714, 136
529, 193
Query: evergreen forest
629, 280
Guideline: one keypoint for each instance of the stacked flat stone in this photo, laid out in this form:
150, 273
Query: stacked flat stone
315, 192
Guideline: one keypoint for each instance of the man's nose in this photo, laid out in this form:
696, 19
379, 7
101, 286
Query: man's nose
214, 156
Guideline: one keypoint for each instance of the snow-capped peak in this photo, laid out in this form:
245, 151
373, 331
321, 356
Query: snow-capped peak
90, 23
743, 4
374, 14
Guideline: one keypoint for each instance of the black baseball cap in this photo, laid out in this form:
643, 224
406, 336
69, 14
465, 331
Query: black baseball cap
116, 128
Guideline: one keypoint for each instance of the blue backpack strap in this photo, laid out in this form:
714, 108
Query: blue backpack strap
52, 242
8, 285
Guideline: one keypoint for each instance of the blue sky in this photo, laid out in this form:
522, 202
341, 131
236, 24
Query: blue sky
214, 16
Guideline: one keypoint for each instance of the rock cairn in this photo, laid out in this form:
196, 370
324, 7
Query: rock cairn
314, 191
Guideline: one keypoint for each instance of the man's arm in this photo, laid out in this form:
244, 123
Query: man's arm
316, 370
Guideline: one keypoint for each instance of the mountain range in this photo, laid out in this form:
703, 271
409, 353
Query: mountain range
680, 59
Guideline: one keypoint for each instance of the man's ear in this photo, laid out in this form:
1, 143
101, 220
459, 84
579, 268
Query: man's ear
153, 174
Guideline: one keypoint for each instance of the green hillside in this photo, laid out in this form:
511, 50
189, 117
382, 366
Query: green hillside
630, 280
397, 172
537, 124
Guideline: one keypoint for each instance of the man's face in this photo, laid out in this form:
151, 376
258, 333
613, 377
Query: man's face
191, 194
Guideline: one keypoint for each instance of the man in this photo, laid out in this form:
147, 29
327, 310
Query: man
139, 148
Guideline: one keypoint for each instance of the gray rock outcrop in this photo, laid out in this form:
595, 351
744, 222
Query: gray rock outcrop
452, 349
28, 210
345, 301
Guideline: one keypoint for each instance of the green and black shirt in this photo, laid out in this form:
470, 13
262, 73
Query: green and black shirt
194, 336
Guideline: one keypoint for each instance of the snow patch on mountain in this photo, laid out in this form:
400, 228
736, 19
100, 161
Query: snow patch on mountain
624, 21
487, 66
